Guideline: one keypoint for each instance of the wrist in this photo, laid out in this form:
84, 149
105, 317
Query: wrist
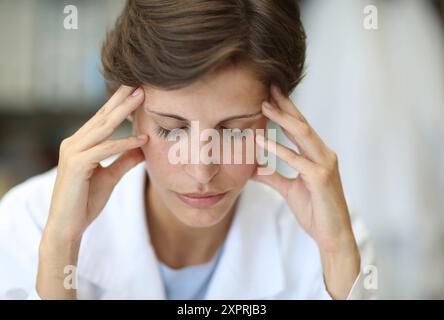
56, 253
56, 244
341, 267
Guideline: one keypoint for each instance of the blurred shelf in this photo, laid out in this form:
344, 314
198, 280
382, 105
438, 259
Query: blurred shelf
29, 142
42, 64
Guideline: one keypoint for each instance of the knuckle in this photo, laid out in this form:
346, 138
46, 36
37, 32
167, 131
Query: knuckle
305, 129
102, 111
102, 122
323, 175
109, 130
65, 145
287, 155
302, 118
109, 146
334, 158
107, 125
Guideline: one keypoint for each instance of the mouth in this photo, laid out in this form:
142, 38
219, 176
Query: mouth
201, 200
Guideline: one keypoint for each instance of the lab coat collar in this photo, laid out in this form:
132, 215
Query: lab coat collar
251, 266
117, 254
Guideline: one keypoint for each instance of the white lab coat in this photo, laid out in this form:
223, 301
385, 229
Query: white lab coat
266, 255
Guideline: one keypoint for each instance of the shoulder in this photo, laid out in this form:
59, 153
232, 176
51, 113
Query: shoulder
31, 197
23, 212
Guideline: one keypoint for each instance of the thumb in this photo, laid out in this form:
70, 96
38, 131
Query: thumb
106, 178
275, 180
126, 161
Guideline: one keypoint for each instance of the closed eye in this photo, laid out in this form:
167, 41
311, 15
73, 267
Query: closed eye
236, 133
164, 132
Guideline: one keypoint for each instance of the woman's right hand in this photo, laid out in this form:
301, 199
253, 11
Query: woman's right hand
83, 187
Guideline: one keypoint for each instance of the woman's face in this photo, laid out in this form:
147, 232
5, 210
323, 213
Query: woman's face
186, 189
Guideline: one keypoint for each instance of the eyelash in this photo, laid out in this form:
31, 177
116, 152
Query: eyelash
163, 132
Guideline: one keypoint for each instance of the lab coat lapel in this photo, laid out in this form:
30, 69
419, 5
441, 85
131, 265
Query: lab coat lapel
117, 255
251, 266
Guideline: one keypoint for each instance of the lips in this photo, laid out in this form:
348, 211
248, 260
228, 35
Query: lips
201, 200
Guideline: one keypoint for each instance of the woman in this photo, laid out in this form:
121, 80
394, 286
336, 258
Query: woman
143, 227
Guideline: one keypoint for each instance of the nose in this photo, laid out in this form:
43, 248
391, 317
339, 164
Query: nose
202, 173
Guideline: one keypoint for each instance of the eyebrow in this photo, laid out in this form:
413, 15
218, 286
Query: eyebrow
174, 116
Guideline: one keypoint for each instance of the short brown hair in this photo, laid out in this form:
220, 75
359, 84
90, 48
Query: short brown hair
171, 43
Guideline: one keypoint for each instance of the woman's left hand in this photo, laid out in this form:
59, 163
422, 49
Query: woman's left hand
316, 196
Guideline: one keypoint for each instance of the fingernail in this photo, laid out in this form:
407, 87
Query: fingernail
137, 92
268, 105
142, 137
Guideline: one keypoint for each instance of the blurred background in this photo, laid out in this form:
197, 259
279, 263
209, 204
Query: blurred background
374, 95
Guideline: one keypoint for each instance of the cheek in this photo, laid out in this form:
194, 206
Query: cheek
156, 157
156, 150
239, 173
261, 124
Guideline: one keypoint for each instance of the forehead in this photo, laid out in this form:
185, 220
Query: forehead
228, 91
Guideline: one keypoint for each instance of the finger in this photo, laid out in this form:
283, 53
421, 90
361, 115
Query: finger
117, 98
113, 147
104, 128
125, 162
285, 103
106, 178
127, 107
277, 181
296, 161
288, 106
299, 132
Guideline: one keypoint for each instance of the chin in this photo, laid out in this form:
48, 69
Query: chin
201, 218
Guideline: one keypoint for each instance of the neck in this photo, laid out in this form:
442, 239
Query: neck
177, 244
